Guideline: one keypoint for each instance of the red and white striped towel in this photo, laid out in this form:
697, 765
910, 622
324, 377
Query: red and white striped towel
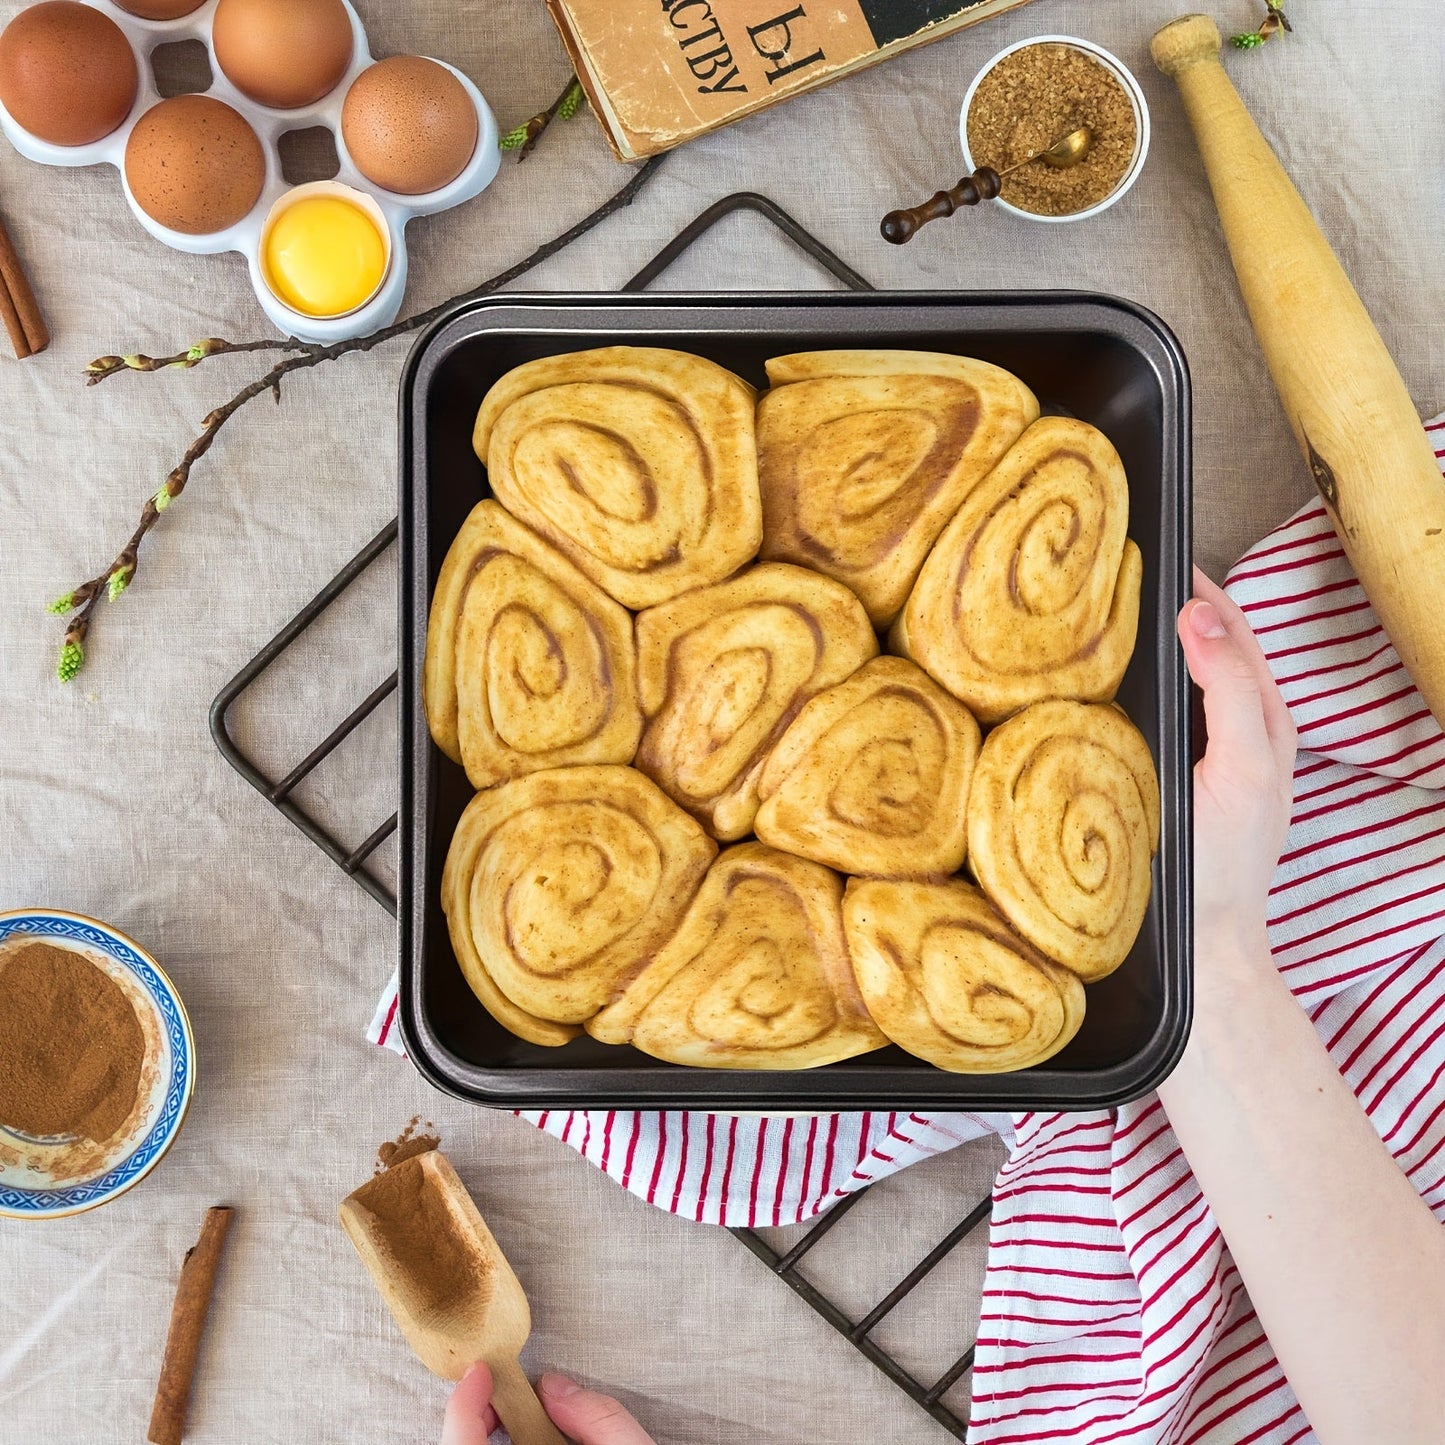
1112, 1310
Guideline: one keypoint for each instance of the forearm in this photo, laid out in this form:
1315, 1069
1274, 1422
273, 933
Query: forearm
1343, 1261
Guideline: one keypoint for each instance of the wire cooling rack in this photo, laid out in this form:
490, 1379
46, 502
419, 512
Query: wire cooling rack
357, 860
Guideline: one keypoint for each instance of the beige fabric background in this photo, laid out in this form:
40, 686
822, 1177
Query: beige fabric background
116, 804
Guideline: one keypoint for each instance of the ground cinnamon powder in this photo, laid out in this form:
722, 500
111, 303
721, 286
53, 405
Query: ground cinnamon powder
417, 1228
1036, 96
71, 1046
415, 1139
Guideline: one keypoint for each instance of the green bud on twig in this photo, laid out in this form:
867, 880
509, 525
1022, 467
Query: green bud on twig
162, 499
72, 659
1275, 21
119, 581
571, 102
202, 349
62, 605
523, 137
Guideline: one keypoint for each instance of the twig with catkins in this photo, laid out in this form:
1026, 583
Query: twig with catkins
104, 366
80, 604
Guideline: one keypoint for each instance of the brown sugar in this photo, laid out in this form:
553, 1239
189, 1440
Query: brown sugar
414, 1223
71, 1046
1035, 97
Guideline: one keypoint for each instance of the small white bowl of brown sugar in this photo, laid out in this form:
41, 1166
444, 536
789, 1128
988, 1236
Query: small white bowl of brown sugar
1034, 93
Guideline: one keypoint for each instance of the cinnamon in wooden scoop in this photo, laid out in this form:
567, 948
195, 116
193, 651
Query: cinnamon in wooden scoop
447, 1283
413, 1222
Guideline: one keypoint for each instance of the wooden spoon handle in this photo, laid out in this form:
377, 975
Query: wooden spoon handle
518, 1407
982, 185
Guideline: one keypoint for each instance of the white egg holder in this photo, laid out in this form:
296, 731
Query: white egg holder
270, 125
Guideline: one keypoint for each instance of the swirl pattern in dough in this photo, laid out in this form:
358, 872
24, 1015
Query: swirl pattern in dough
1032, 591
863, 456
638, 462
528, 664
561, 885
946, 978
756, 977
723, 670
872, 776
1063, 824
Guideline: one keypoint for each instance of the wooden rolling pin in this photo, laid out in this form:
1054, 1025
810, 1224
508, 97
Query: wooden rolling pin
1351, 414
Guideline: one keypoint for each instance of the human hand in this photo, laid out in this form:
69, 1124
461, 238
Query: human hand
1243, 786
584, 1415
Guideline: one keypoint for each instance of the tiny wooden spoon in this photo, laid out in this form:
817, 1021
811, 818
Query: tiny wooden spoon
982, 185
482, 1317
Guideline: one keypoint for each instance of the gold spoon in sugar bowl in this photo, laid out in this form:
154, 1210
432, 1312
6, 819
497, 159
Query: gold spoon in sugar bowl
983, 185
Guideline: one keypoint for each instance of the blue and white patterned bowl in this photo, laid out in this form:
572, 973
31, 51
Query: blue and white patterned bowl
47, 1178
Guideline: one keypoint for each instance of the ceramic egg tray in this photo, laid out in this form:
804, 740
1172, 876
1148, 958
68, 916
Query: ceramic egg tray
270, 125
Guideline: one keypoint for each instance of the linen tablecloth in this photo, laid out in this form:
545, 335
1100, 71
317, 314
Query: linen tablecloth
116, 803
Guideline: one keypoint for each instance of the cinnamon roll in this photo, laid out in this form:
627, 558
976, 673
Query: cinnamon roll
1063, 824
528, 664
946, 978
722, 670
872, 776
863, 456
1033, 589
639, 463
756, 977
560, 885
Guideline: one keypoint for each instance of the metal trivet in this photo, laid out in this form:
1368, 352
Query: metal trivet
355, 860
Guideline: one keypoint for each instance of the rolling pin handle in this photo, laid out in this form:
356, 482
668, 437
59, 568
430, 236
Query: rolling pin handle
1185, 42
900, 226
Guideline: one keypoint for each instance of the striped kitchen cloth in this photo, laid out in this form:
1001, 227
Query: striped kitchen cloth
1112, 1311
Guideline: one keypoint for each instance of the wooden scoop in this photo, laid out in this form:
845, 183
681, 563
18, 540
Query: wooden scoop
447, 1283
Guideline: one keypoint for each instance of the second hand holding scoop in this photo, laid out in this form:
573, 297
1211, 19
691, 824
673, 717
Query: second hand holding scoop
982, 185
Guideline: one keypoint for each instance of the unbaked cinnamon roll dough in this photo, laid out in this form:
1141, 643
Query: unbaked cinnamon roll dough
627, 686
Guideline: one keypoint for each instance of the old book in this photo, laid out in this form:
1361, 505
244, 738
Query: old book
659, 72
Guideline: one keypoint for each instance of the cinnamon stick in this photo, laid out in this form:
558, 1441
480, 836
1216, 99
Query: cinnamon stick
18, 308
188, 1322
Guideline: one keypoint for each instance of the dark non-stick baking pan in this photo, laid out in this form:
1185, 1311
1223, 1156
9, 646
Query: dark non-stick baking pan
1106, 361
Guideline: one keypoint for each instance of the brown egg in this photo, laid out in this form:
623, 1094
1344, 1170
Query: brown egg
409, 124
282, 53
67, 73
160, 9
194, 164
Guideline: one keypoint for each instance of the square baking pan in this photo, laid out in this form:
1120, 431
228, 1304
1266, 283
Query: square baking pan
1106, 361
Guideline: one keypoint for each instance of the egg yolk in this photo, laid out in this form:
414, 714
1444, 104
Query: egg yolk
324, 256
